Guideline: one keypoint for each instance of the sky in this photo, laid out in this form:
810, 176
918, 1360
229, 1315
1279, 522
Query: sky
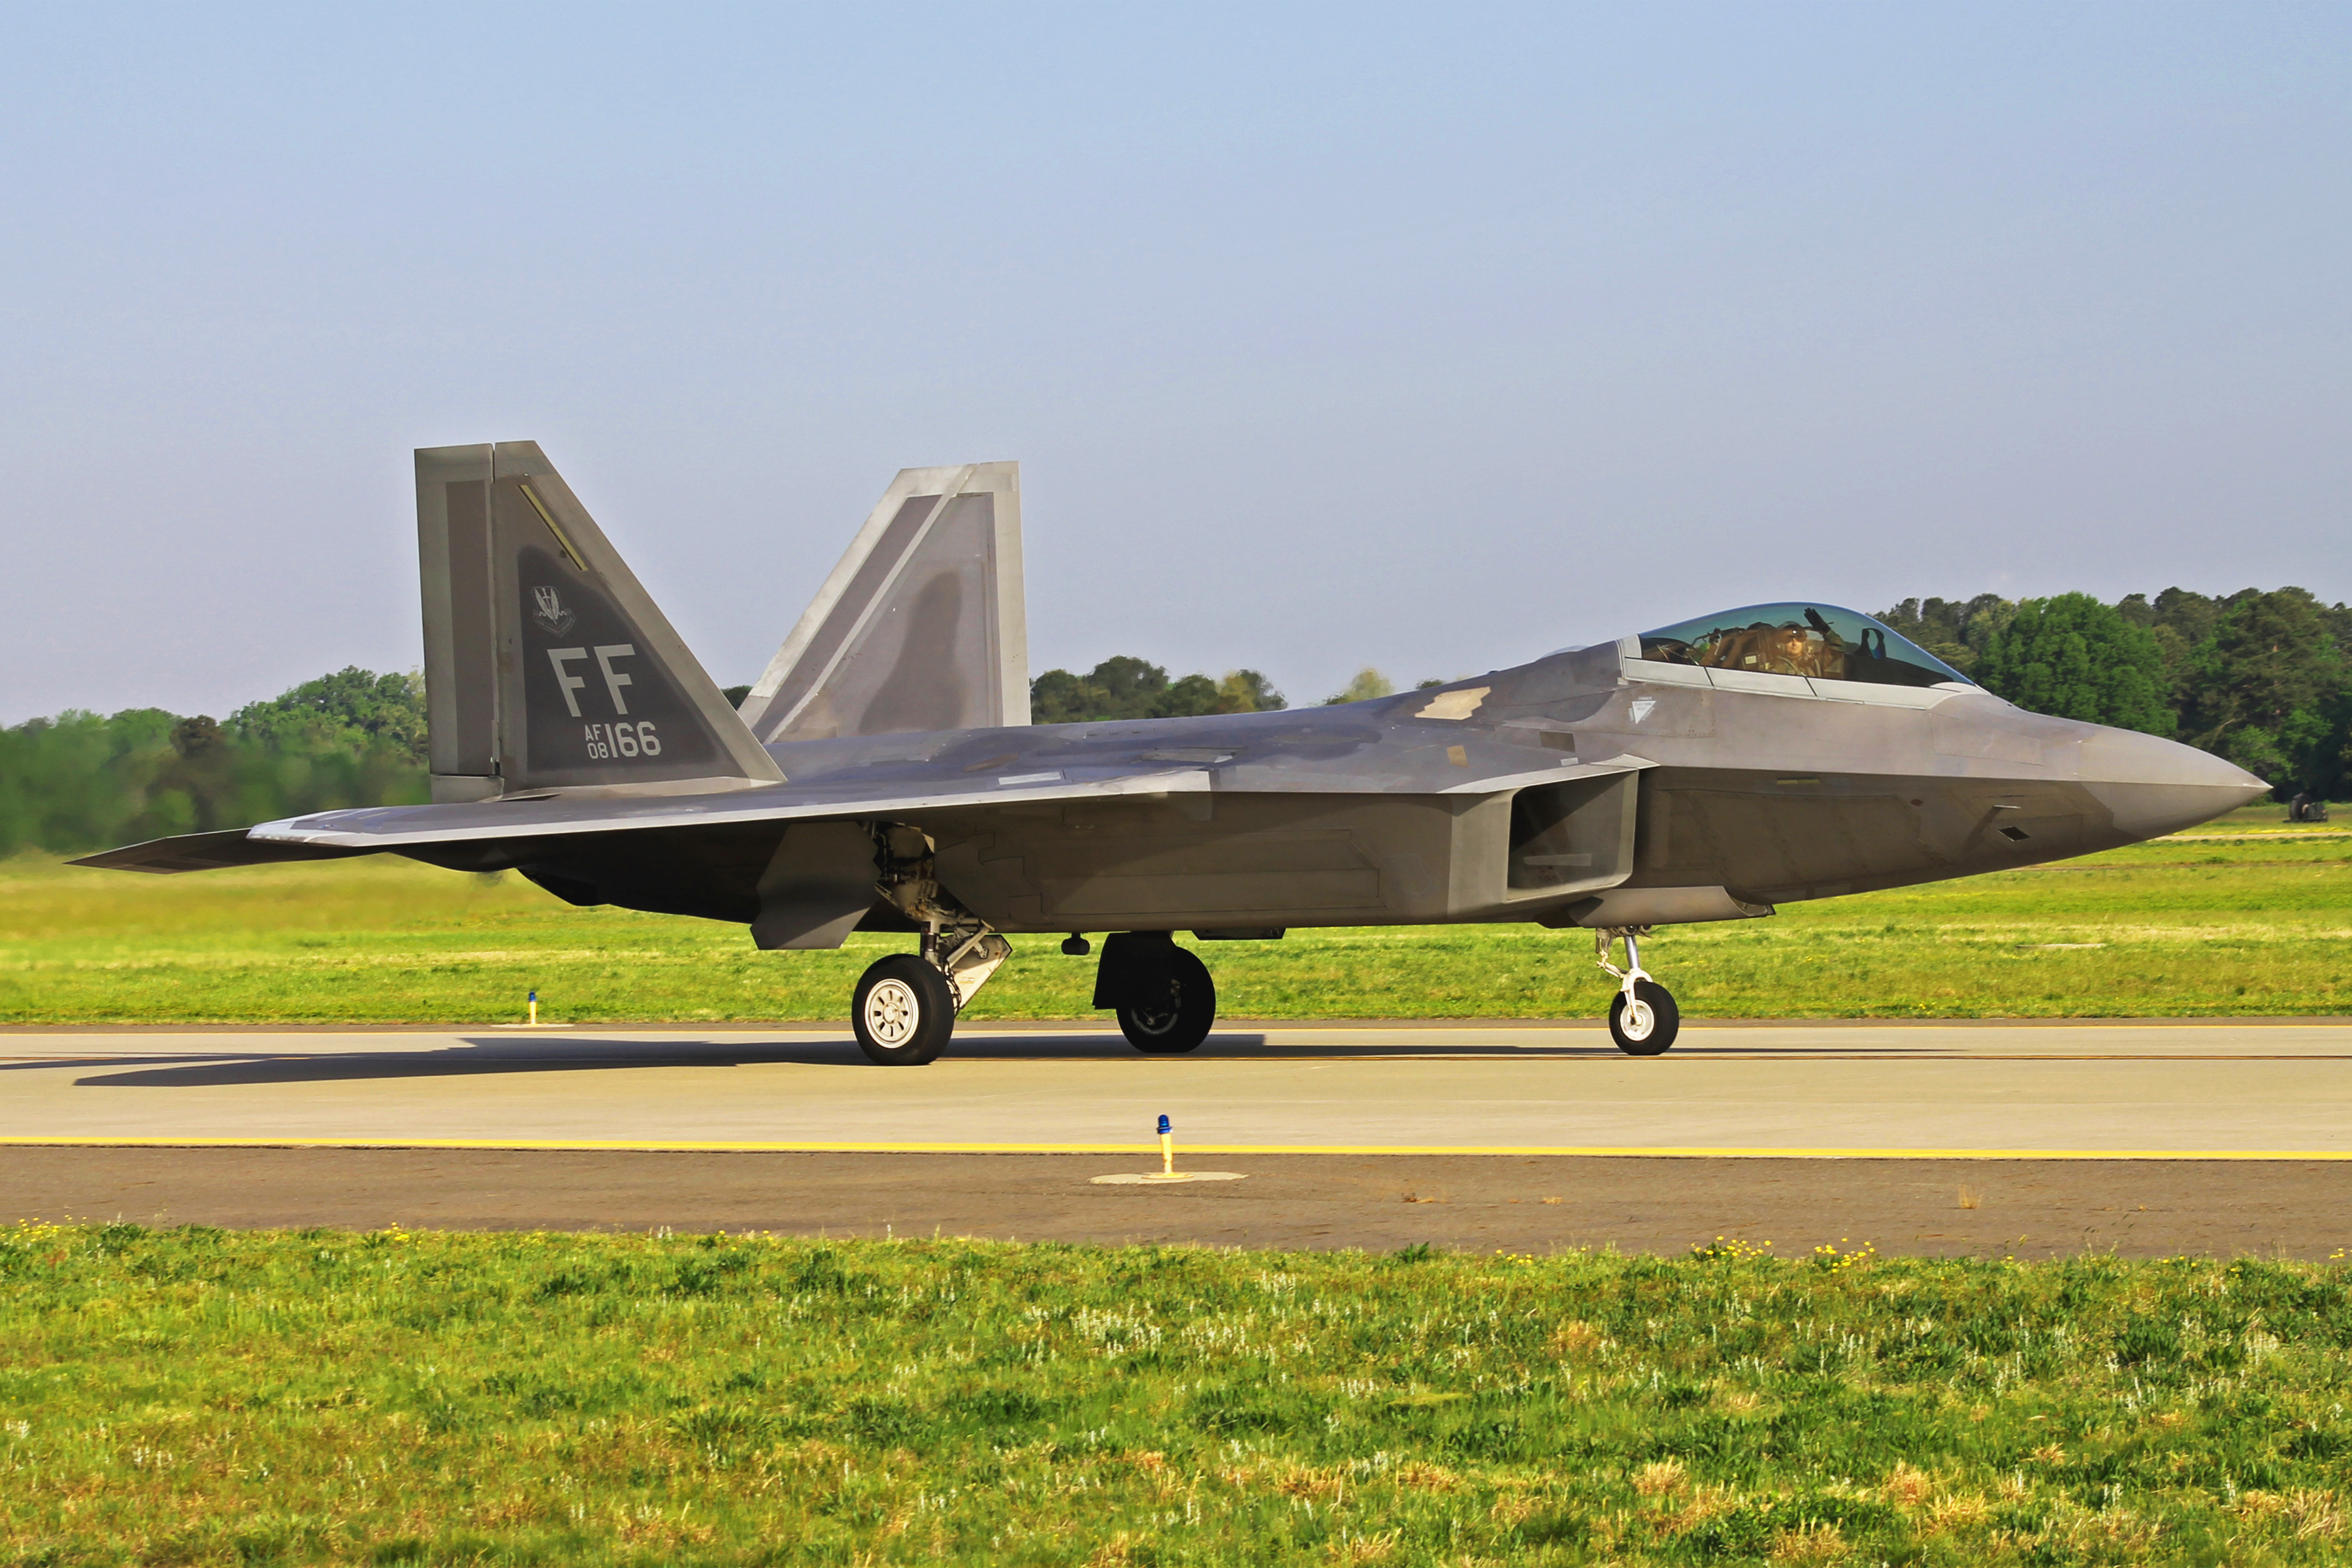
1432, 338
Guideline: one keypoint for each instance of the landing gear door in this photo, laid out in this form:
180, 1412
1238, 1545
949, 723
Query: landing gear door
1573, 837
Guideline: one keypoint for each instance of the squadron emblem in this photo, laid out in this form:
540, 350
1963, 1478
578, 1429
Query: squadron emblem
550, 613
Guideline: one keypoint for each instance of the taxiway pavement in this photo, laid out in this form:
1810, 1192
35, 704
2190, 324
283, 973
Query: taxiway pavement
1538, 1204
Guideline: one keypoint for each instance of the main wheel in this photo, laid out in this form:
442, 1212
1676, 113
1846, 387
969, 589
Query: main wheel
903, 1012
1177, 1007
1647, 1026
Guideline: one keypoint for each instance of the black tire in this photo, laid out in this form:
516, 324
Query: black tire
1663, 1022
1181, 1007
904, 1012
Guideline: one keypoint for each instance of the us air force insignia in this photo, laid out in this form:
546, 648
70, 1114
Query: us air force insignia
550, 613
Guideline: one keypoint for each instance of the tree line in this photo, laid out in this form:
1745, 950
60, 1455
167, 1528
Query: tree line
1125, 688
2260, 677
86, 781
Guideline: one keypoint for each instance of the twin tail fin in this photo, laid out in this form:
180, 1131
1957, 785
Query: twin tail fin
547, 666
921, 626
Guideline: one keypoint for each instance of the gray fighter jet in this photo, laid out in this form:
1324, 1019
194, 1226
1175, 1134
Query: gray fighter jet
883, 774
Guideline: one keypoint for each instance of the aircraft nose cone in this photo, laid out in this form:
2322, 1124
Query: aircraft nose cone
2156, 787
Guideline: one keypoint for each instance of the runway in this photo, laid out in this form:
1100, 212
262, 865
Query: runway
2228, 1088
2024, 1140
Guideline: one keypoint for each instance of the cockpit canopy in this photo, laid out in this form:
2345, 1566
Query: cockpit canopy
1822, 641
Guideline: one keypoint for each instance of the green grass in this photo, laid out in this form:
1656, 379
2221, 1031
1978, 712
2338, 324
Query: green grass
2216, 926
196, 1396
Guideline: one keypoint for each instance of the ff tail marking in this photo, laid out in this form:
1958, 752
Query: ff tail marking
547, 665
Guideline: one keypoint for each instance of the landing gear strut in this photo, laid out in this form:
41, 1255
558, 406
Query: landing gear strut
1643, 1017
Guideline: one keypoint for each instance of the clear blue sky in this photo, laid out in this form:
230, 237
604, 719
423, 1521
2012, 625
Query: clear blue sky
1432, 337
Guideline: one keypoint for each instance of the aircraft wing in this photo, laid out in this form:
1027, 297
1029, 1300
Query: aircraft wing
382, 829
207, 852
393, 829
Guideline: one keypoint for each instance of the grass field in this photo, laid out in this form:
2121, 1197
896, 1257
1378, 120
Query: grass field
2212, 924
195, 1396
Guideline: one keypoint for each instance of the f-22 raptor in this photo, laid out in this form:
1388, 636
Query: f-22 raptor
883, 774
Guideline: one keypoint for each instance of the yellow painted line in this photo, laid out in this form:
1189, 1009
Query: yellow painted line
690, 1146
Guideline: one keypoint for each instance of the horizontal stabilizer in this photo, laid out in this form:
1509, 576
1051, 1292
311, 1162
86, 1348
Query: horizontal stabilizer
921, 625
208, 852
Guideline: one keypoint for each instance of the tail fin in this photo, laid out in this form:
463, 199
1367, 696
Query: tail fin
921, 625
546, 664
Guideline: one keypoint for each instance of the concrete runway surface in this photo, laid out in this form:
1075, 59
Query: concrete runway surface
2151, 1137
2242, 1087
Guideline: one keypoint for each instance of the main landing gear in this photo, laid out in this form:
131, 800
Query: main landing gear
904, 1009
1162, 995
1643, 1017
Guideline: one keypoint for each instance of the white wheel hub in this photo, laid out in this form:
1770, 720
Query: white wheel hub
892, 1012
1637, 1020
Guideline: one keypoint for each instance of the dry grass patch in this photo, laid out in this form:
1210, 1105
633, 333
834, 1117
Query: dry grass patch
1809, 1545
1701, 1505
1956, 1513
1576, 1338
2316, 1512
1376, 1548
1908, 1486
1661, 1478
1423, 1476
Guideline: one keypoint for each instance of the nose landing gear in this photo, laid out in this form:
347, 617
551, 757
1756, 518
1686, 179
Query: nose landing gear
1643, 1017
905, 1008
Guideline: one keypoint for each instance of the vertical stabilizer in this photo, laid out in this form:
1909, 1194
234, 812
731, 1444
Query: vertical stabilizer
921, 626
546, 664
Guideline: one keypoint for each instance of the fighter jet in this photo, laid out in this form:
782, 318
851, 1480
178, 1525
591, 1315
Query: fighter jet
883, 774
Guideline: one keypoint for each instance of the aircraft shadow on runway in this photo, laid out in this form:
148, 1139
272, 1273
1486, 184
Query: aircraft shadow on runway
494, 1053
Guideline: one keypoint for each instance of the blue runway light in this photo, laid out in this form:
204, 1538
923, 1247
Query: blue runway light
1164, 1126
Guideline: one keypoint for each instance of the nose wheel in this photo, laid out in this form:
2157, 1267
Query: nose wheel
904, 1012
905, 1008
1643, 1017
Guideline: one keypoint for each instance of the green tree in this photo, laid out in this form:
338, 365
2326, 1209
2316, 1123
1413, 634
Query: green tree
1125, 688
1955, 631
80, 782
1186, 699
2266, 690
352, 709
2075, 658
2181, 620
1368, 684
1119, 688
1247, 691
